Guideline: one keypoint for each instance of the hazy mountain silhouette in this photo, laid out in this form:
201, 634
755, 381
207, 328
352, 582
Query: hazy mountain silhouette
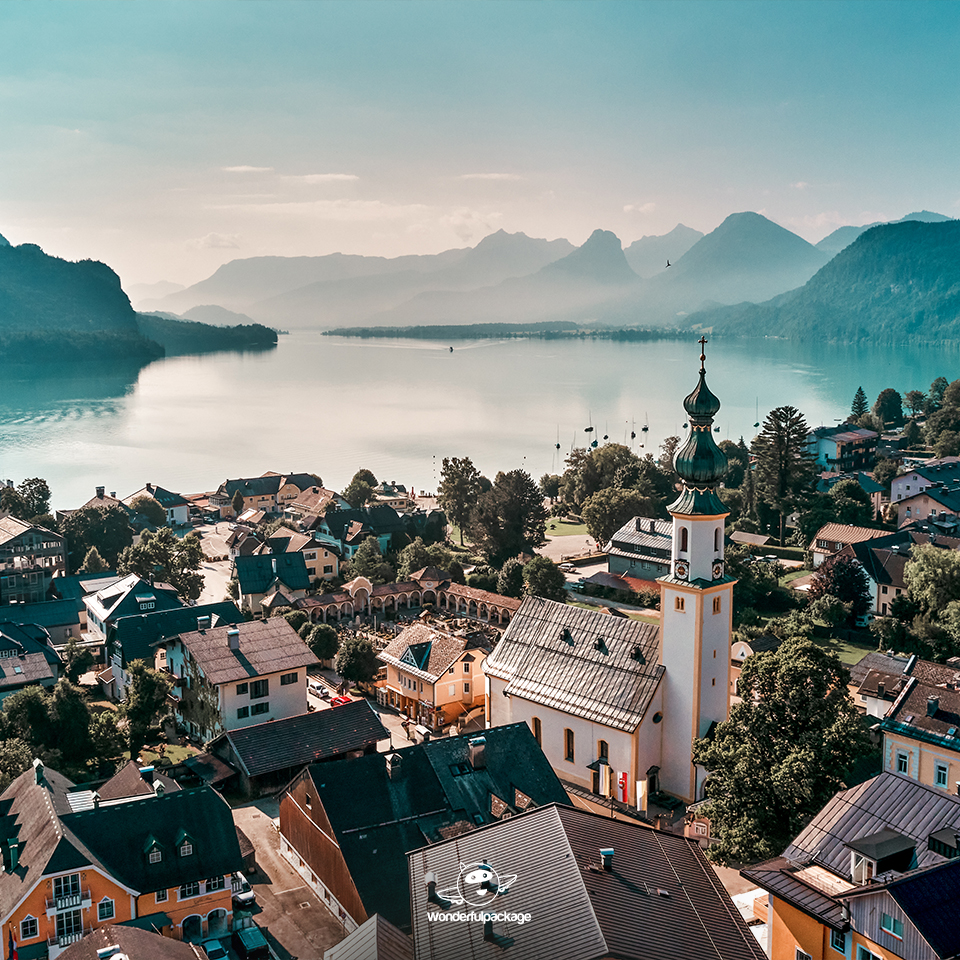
213, 314
138, 292
895, 281
648, 256
842, 237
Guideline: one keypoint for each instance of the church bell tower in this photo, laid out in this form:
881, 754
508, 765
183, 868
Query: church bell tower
696, 601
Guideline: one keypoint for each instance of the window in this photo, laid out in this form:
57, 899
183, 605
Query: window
466, 667
683, 540
105, 909
66, 887
891, 925
901, 762
537, 730
259, 689
451, 690
864, 954
883, 590
801, 955
242, 689
155, 855
941, 770
69, 927
189, 890
678, 604
214, 883
28, 928
262, 707
603, 750
186, 849
466, 687
328, 568
287, 678
161, 896
568, 745
862, 869
838, 941
716, 604
716, 539
243, 713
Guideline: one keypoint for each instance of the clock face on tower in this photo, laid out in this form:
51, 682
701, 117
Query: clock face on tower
681, 570
717, 570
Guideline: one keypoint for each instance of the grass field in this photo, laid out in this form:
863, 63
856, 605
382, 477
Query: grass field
564, 528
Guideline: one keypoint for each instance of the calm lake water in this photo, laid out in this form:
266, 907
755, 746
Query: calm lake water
331, 405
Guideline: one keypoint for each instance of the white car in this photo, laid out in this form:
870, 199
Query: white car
243, 896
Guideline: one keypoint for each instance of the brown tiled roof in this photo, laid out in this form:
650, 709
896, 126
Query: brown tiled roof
266, 646
133, 942
482, 596
432, 654
846, 533
876, 661
599, 668
911, 709
128, 782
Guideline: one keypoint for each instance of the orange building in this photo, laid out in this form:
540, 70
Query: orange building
73, 861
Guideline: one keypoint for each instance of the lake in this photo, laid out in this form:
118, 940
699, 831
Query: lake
330, 405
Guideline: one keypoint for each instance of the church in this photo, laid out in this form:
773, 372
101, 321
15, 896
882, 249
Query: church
615, 703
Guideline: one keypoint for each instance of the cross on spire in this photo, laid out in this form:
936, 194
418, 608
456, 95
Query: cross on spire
703, 356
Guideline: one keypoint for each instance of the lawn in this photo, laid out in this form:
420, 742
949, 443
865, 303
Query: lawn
565, 528
173, 752
849, 651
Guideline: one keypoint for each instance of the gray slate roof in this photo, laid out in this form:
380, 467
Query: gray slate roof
256, 573
603, 669
636, 539
375, 939
661, 900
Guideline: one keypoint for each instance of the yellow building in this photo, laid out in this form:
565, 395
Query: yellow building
870, 878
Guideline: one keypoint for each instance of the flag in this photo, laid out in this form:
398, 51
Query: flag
11, 946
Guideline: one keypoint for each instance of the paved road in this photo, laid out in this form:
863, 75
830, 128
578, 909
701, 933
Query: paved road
292, 917
215, 573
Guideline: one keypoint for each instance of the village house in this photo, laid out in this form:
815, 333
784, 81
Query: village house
874, 876
30, 558
237, 675
349, 527
320, 552
641, 548
570, 884
266, 756
112, 942
60, 618
128, 596
831, 538
395, 495
844, 448
876, 680
101, 499
434, 676
271, 493
313, 503
936, 502
346, 827
174, 506
74, 588
944, 471
73, 863
27, 658
265, 581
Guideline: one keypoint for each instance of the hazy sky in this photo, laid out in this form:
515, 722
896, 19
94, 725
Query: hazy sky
167, 138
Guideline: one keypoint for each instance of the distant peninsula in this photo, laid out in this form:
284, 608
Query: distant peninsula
53, 310
546, 330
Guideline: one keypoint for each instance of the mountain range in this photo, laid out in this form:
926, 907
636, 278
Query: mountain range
513, 278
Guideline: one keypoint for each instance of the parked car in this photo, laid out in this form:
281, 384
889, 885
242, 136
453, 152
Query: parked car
568, 568
250, 944
214, 950
243, 896
316, 688
338, 701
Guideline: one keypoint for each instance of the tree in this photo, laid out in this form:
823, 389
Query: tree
296, 618
106, 528
785, 466
510, 517
842, 577
168, 558
359, 490
852, 503
35, 494
12, 502
543, 578
859, 406
149, 507
947, 444
912, 433
458, 491
932, 575
417, 555
368, 562
237, 502
483, 577
27, 714
107, 742
16, 757
146, 698
323, 641
550, 486
889, 406
70, 725
935, 397
915, 401
783, 752
738, 462
884, 471
606, 511
510, 581
357, 660
93, 562
77, 660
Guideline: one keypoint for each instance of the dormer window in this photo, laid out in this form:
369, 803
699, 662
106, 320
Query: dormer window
184, 844
155, 855
862, 870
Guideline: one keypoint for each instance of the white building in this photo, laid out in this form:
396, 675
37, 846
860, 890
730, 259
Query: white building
603, 693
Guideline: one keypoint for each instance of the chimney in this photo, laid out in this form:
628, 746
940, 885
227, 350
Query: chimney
394, 766
14, 845
146, 774
100, 492
233, 638
880, 689
477, 748
653, 526
606, 858
38, 770
203, 623
933, 704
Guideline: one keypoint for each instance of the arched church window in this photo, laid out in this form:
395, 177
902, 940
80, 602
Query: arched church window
683, 540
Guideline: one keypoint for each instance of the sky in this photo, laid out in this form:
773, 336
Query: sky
166, 138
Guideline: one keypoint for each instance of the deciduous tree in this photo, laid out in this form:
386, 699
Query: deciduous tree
783, 752
842, 577
106, 528
357, 660
77, 660
93, 562
150, 508
932, 575
543, 578
368, 562
359, 490
166, 557
607, 510
16, 757
510, 580
323, 641
146, 698
915, 401
458, 490
35, 494
237, 502
889, 406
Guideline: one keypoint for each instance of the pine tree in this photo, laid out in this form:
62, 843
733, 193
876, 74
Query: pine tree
859, 406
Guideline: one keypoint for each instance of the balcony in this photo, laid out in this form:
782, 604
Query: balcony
73, 901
